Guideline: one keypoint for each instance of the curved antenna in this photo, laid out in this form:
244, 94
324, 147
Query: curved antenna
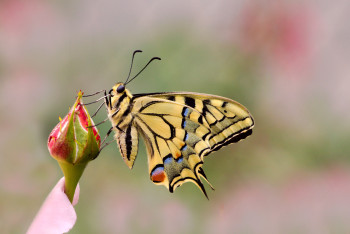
154, 58
132, 61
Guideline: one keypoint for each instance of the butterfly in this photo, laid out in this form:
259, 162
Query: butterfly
179, 129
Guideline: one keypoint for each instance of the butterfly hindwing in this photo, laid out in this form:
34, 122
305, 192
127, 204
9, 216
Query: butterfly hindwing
181, 128
171, 147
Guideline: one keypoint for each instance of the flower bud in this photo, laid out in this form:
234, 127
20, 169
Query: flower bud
71, 140
73, 144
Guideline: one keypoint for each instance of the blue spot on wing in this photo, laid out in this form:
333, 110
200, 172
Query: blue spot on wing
184, 148
179, 160
157, 170
186, 136
168, 159
183, 124
186, 112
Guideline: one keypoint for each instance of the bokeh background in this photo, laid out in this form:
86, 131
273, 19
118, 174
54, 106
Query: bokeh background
286, 61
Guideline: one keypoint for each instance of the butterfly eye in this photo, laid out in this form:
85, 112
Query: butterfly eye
120, 89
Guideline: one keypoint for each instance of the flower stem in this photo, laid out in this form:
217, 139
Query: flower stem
72, 174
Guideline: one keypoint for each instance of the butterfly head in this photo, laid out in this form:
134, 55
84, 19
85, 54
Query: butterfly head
118, 95
119, 90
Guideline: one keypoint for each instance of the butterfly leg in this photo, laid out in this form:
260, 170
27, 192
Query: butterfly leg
106, 102
105, 145
108, 99
117, 126
103, 148
107, 135
101, 98
93, 94
116, 112
98, 123
97, 110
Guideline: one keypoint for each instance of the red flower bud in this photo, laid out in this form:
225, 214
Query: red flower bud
71, 140
73, 144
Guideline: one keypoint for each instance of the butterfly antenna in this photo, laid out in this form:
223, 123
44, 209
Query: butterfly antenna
132, 61
154, 58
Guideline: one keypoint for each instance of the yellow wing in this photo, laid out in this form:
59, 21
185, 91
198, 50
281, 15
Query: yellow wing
179, 129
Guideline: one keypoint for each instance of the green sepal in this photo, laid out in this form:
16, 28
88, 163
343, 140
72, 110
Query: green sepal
69, 140
91, 148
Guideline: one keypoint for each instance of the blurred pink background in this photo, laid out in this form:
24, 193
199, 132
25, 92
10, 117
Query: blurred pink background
286, 61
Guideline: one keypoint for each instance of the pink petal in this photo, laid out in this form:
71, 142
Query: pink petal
57, 214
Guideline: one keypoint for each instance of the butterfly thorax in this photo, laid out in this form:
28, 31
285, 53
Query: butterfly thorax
119, 106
